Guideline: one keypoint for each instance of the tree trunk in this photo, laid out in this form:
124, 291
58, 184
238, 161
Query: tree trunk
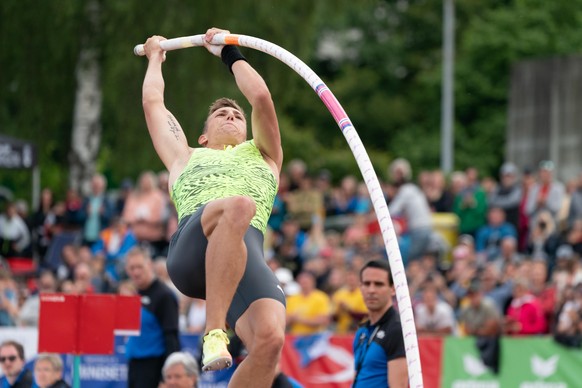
86, 137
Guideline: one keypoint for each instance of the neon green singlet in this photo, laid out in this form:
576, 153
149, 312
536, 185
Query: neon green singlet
213, 174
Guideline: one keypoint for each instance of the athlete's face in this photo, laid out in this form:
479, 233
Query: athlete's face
176, 377
225, 125
376, 290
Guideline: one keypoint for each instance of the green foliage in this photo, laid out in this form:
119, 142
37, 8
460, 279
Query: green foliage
386, 73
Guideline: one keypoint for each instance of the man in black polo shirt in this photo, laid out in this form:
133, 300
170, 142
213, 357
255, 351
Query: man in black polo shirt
147, 352
379, 352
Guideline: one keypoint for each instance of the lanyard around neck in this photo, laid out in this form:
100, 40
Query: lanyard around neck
362, 355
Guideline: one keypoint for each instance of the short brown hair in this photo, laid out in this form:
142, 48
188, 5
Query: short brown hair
382, 264
17, 345
223, 102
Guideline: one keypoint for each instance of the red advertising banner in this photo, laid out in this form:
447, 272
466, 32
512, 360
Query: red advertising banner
431, 350
127, 315
85, 324
325, 360
58, 323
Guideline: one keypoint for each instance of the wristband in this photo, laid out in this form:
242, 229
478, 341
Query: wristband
230, 54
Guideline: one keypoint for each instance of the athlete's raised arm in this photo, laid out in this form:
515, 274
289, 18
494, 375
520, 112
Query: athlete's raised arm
166, 133
265, 127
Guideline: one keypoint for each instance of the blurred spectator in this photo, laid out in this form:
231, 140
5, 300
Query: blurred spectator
40, 234
297, 170
363, 200
145, 212
15, 239
60, 231
461, 276
562, 218
472, 175
161, 272
125, 190
345, 197
569, 327
30, 309
439, 196
69, 259
574, 237
494, 287
48, 371
411, 204
324, 185
546, 194
73, 216
170, 214
315, 240
470, 203
289, 247
309, 311
525, 314
544, 238
279, 211
158, 337
9, 307
67, 287
507, 195
192, 315
489, 186
13, 366
480, 317
126, 287
348, 304
508, 253
489, 236
528, 180
84, 279
575, 210
544, 291
564, 273
96, 210
180, 371
110, 249
432, 315
305, 204
357, 231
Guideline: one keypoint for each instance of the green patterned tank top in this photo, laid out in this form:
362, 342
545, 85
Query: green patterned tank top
213, 174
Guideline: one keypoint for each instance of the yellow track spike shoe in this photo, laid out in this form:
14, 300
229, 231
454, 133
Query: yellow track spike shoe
215, 355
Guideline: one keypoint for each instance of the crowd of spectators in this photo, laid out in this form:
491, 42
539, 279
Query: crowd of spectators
512, 266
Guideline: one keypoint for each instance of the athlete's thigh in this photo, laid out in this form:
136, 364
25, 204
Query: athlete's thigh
258, 280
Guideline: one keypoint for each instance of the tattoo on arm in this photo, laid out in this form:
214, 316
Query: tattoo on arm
174, 128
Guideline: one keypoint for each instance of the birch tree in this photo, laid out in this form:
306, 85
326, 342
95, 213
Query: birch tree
86, 134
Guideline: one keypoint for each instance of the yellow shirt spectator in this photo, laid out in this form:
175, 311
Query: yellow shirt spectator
349, 309
309, 311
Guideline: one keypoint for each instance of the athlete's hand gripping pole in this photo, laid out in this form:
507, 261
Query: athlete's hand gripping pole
190, 41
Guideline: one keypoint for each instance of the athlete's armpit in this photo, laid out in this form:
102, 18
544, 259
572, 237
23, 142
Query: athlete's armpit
174, 127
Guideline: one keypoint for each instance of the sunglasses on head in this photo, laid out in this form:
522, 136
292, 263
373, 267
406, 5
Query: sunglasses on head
9, 358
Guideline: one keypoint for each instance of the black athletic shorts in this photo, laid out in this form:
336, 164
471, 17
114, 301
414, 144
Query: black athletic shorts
187, 262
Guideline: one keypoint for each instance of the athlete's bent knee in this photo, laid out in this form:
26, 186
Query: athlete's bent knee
240, 209
268, 343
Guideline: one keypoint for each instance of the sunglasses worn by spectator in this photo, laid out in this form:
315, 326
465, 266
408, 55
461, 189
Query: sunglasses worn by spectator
9, 358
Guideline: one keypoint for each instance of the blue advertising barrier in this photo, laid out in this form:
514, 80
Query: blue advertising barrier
110, 371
